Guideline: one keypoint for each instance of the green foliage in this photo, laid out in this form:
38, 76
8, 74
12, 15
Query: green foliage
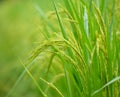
80, 52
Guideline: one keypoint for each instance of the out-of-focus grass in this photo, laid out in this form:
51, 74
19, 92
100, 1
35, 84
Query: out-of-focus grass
19, 29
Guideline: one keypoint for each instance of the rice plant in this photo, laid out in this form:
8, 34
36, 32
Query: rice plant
80, 52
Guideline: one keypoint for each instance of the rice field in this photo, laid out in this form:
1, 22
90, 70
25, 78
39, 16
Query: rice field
67, 48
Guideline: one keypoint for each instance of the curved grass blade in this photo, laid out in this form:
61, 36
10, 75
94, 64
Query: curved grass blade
44, 17
42, 93
57, 77
52, 86
109, 83
60, 23
50, 63
19, 79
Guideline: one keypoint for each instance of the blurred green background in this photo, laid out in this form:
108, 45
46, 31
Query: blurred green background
19, 29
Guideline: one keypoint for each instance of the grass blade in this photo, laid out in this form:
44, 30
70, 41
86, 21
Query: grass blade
110, 82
